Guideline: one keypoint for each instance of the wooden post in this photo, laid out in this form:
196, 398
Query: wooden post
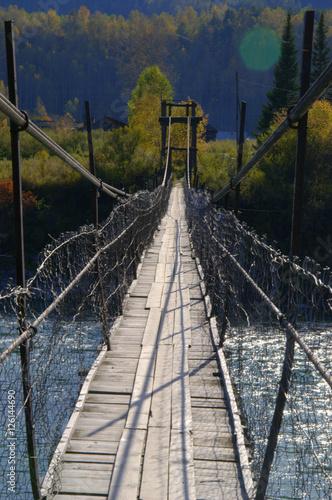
296, 229
302, 137
193, 159
240, 156
20, 263
237, 106
163, 134
95, 193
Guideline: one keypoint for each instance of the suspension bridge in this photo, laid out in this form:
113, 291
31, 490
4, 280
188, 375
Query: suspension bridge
168, 351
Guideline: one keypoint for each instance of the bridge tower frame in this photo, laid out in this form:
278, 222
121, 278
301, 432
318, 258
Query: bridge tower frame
166, 114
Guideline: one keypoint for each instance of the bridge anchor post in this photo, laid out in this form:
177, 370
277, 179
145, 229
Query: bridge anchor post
20, 263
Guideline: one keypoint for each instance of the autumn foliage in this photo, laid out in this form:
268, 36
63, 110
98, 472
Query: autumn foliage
7, 197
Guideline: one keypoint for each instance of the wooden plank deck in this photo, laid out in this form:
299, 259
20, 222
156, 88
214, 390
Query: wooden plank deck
154, 423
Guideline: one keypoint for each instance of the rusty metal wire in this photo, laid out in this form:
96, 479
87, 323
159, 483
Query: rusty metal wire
258, 296
72, 302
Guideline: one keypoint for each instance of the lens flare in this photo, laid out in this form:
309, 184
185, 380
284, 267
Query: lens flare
260, 49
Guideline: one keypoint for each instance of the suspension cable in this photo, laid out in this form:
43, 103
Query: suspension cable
19, 118
295, 114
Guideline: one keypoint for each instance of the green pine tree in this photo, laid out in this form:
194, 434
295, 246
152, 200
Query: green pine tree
321, 53
285, 82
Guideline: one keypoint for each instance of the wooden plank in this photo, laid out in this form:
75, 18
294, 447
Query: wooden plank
208, 403
136, 313
139, 409
213, 439
160, 272
86, 432
181, 404
127, 467
92, 447
113, 378
141, 290
214, 453
208, 366
217, 415
135, 303
119, 366
160, 413
182, 325
125, 352
211, 426
111, 410
133, 322
216, 491
118, 399
169, 270
85, 482
226, 469
152, 327
95, 458
201, 433
154, 298
166, 327
71, 466
164, 363
181, 467
154, 484
98, 387
127, 340
168, 300
78, 497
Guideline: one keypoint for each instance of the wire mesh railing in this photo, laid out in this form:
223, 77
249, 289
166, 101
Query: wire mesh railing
264, 304
72, 301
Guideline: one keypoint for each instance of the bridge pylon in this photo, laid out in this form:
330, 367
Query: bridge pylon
168, 119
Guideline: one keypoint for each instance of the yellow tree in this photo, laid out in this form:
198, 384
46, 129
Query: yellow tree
145, 103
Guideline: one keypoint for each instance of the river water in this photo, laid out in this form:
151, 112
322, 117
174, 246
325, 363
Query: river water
302, 467
60, 357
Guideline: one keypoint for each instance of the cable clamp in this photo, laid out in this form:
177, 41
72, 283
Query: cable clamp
100, 185
27, 122
33, 329
231, 184
282, 318
290, 123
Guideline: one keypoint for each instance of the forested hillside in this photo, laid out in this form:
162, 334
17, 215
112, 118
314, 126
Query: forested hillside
64, 59
124, 7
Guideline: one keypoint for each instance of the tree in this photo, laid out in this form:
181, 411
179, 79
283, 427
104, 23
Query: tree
40, 111
145, 102
321, 52
273, 199
72, 107
285, 84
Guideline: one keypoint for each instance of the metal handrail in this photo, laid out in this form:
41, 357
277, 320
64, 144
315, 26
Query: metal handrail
294, 115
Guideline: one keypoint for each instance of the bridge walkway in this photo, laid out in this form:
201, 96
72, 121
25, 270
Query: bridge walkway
154, 423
